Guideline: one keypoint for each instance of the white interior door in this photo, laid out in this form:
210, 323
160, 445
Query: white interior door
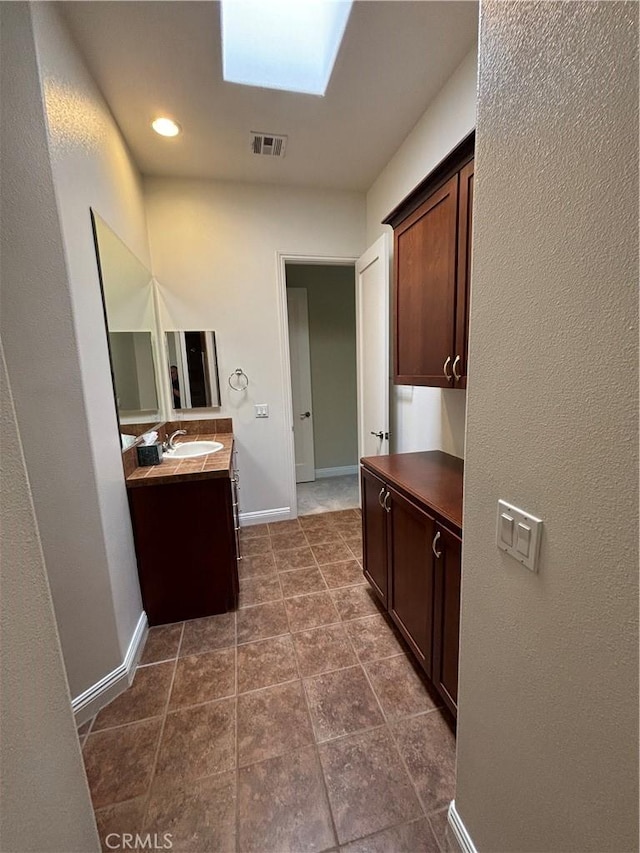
372, 333
299, 353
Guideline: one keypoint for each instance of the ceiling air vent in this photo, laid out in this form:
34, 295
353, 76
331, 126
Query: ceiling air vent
268, 144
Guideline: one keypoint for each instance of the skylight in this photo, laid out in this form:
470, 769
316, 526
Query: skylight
282, 44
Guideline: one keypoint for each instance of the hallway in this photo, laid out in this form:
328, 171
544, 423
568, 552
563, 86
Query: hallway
297, 723
328, 494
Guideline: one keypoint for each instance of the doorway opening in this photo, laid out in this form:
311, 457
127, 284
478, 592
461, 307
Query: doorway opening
321, 318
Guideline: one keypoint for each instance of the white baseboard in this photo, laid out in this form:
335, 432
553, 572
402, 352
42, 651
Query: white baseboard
459, 830
265, 516
336, 472
87, 704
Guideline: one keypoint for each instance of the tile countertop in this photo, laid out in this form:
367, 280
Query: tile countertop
216, 464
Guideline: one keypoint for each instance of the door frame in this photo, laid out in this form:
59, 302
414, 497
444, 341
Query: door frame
282, 259
377, 250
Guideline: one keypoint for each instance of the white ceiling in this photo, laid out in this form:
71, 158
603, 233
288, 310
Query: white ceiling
164, 58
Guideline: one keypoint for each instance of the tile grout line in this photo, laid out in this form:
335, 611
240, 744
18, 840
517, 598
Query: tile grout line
433, 829
394, 740
395, 826
154, 766
395, 743
317, 752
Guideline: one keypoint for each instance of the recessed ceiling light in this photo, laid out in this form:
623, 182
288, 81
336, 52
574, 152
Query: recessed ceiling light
166, 127
282, 44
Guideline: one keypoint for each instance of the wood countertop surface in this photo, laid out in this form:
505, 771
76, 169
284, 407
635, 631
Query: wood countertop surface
170, 470
430, 477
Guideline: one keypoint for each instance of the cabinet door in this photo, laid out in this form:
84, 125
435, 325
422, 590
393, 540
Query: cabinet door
374, 533
447, 617
185, 545
411, 532
425, 290
465, 216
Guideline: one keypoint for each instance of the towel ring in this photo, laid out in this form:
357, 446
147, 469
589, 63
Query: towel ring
242, 384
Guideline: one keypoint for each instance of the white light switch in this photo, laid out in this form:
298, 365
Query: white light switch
506, 528
524, 539
262, 410
526, 529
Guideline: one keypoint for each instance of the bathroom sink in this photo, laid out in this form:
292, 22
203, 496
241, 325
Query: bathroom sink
189, 449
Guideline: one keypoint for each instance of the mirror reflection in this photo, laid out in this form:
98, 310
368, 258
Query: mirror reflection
193, 369
127, 293
134, 373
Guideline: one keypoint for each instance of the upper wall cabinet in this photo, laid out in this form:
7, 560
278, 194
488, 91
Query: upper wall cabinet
432, 259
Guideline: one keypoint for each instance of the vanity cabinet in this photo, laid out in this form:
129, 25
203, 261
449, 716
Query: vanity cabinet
432, 255
187, 545
412, 534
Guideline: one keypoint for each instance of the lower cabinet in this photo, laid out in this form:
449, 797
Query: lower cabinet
374, 540
413, 562
411, 531
446, 615
186, 538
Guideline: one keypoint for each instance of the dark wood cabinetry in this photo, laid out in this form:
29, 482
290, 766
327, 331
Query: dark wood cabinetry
374, 542
411, 574
187, 547
412, 529
446, 615
432, 255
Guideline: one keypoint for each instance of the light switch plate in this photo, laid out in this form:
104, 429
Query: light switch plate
526, 530
262, 410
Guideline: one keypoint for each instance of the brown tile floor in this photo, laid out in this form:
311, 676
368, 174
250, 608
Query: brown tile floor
296, 724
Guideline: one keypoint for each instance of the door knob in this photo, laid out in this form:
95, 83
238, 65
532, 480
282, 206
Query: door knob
305, 415
379, 435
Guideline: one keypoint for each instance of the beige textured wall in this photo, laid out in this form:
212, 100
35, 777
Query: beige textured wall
214, 246
426, 418
91, 168
548, 715
43, 789
332, 341
39, 331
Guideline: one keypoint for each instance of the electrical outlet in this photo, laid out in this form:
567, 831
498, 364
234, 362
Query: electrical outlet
262, 410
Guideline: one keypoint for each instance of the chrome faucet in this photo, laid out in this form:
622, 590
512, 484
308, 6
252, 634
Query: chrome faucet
170, 443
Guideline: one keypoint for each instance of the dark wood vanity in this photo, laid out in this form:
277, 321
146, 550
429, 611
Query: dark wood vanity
412, 538
185, 524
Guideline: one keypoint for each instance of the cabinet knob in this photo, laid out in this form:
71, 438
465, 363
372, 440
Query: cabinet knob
448, 376
455, 372
433, 546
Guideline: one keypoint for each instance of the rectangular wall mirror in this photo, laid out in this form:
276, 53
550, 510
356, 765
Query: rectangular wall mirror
127, 294
193, 369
